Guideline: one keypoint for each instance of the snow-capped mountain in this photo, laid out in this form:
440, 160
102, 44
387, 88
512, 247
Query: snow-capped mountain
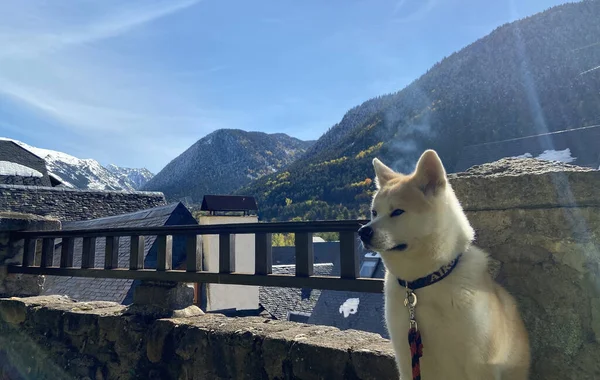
88, 173
137, 177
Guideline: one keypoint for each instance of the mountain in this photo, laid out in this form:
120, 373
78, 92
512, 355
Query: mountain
223, 161
535, 75
87, 173
130, 177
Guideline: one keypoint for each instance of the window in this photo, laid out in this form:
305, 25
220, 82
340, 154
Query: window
369, 265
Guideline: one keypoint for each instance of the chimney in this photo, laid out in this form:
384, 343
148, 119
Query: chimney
221, 209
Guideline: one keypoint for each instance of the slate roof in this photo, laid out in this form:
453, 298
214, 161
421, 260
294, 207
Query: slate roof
279, 301
582, 143
327, 252
118, 290
228, 203
12, 152
368, 317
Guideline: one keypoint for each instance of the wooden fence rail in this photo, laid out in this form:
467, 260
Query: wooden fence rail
348, 280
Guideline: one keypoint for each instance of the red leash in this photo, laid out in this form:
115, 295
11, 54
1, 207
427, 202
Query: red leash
414, 335
416, 351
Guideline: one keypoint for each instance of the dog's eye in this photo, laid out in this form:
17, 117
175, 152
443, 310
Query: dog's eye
374, 213
397, 212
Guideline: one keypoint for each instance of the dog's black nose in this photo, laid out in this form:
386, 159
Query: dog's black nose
365, 233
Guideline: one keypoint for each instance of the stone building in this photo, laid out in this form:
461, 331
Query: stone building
18, 166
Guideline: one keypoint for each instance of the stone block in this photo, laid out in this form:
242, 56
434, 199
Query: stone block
373, 361
156, 340
162, 294
526, 183
13, 311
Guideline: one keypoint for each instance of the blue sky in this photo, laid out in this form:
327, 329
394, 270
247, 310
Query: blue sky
135, 83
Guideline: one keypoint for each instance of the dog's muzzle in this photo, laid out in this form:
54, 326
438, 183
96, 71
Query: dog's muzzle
366, 234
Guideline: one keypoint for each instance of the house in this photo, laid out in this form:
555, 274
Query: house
354, 310
118, 290
18, 166
575, 146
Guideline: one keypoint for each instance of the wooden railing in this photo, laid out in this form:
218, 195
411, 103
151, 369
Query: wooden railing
349, 259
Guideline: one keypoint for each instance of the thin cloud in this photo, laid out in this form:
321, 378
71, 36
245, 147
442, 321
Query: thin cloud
19, 43
414, 15
398, 7
87, 92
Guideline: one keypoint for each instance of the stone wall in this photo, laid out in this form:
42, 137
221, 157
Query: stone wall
72, 204
55, 338
23, 181
540, 221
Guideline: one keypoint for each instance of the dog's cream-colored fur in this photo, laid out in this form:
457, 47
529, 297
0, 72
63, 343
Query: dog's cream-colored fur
470, 326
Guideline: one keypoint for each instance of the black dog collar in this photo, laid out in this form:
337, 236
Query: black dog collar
432, 278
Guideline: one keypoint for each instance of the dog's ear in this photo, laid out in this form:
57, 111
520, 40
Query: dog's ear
382, 173
430, 175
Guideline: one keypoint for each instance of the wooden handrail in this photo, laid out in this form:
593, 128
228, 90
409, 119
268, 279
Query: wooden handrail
304, 277
214, 229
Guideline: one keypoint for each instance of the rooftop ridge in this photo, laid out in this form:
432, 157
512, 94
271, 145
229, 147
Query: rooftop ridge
66, 189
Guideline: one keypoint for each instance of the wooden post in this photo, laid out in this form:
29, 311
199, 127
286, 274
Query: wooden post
305, 255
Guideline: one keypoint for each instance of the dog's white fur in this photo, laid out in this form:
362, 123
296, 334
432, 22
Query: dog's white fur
470, 325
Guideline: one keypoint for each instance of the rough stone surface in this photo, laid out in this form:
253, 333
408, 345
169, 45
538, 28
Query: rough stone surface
549, 259
11, 252
72, 204
545, 251
160, 299
23, 181
98, 340
526, 183
166, 295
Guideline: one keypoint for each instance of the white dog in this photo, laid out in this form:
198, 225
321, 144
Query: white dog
438, 283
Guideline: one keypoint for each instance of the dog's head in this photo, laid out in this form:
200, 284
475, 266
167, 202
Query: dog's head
409, 210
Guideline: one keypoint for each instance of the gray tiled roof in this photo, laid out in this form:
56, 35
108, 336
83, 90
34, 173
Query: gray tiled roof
327, 252
279, 301
117, 290
368, 317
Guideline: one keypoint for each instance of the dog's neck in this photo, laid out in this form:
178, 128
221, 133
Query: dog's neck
423, 258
